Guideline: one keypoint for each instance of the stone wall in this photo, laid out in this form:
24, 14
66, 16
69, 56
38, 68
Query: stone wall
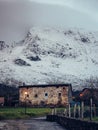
44, 96
72, 123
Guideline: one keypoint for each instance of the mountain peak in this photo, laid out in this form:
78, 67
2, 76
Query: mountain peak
51, 55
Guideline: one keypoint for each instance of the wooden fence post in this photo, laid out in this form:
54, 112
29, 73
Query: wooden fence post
79, 111
91, 114
52, 112
69, 111
94, 110
65, 112
55, 111
82, 109
74, 110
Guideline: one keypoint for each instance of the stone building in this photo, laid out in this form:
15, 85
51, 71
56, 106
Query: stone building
88, 93
1, 101
45, 95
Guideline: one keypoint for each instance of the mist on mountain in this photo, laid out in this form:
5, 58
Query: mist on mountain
18, 16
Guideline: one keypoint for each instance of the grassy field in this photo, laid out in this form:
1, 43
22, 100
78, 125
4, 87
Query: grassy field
95, 119
19, 113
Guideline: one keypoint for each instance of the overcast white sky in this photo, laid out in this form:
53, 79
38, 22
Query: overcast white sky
17, 16
86, 6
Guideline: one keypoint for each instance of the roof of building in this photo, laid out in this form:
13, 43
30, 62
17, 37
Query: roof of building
46, 85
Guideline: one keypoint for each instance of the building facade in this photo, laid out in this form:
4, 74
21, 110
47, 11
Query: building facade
45, 95
1, 101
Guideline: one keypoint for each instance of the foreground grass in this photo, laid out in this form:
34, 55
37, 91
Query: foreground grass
95, 119
19, 113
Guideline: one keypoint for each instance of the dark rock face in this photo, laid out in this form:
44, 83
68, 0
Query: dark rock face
21, 62
83, 39
69, 32
2, 45
36, 58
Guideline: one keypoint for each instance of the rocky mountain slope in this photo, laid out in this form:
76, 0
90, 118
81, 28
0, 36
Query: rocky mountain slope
50, 55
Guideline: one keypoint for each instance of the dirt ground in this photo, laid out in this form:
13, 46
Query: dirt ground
31, 124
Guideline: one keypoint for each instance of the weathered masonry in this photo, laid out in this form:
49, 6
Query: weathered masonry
45, 95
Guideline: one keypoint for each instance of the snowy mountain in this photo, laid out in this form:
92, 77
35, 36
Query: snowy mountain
50, 55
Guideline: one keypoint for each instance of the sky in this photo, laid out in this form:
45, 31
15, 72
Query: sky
86, 6
17, 16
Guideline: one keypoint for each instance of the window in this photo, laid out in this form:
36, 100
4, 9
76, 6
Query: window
63, 88
46, 94
28, 95
36, 95
59, 94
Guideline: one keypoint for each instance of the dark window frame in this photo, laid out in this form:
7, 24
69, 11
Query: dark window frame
36, 96
46, 94
59, 94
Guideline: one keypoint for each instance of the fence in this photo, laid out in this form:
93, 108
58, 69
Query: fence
78, 111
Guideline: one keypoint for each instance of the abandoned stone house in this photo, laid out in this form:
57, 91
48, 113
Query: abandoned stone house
45, 95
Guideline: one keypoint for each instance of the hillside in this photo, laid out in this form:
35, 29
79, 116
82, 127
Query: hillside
50, 55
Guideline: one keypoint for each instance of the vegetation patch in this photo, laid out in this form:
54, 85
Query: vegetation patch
85, 39
19, 113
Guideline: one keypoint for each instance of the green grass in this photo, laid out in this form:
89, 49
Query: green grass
95, 119
19, 113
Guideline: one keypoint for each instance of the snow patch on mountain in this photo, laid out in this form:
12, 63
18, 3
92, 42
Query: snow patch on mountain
51, 55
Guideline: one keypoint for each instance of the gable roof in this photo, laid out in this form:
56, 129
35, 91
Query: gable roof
46, 85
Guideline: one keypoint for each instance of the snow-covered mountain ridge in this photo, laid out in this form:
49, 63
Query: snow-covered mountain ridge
50, 55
